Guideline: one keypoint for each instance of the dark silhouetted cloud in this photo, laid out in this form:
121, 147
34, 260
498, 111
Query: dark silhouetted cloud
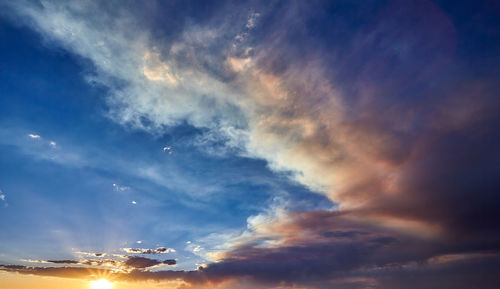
141, 262
160, 250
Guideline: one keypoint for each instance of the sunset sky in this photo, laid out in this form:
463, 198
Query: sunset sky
249, 144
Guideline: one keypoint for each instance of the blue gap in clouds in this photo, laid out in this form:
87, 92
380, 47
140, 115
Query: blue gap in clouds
42, 83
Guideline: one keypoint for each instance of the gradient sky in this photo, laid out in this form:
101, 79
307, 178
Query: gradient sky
250, 144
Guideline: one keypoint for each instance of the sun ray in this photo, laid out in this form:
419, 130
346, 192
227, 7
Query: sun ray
100, 284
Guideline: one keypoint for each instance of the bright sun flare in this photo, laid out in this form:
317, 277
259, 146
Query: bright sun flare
101, 284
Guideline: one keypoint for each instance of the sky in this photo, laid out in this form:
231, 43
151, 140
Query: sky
250, 144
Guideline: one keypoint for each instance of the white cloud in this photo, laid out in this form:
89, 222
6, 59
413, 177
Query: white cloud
35, 136
3, 198
260, 232
120, 188
52, 144
252, 18
251, 111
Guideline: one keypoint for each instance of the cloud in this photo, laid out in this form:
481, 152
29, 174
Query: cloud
390, 276
160, 250
379, 114
51, 143
329, 246
252, 18
131, 262
62, 261
120, 188
85, 273
141, 262
316, 249
3, 198
65, 272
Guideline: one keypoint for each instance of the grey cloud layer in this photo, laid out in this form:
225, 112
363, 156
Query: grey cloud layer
131, 262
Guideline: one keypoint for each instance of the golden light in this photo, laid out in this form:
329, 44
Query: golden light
101, 284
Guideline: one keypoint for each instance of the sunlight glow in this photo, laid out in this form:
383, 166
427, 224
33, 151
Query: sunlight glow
101, 284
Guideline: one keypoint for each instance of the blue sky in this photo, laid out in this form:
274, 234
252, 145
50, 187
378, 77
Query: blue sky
289, 143
78, 193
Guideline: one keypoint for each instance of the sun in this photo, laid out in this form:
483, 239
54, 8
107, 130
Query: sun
101, 284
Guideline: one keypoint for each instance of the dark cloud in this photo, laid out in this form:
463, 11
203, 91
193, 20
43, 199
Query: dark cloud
131, 262
62, 261
86, 273
355, 255
342, 265
141, 262
367, 255
160, 250
460, 275
106, 262
65, 272
343, 234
